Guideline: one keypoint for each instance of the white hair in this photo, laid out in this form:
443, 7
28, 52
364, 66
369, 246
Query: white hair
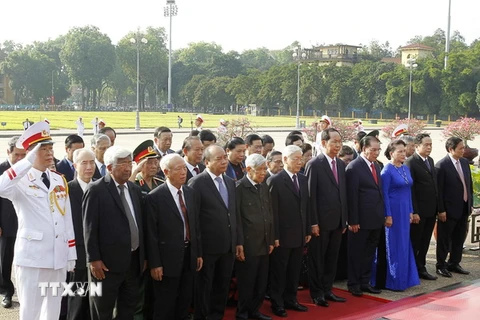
166, 160
99, 137
289, 150
78, 152
114, 153
254, 160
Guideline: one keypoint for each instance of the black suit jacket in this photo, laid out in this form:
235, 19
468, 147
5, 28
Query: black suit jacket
75, 193
97, 175
8, 216
165, 231
328, 199
424, 190
255, 218
105, 224
450, 187
64, 168
365, 197
218, 223
290, 210
201, 167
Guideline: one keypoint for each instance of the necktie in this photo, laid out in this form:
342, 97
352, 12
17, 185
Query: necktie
45, 180
223, 191
134, 238
295, 184
374, 172
102, 170
428, 165
185, 215
460, 173
197, 171
334, 170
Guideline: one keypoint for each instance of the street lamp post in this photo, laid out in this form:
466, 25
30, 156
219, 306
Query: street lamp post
137, 40
298, 55
411, 65
170, 11
447, 42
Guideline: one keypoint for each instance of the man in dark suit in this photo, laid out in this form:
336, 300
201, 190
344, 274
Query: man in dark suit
163, 141
425, 201
274, 163
366, 215
289, 194
173, 235
113, 231
84, 163
110, 132
65, 166
218, 225
328, 207
8, 228
193, 155
455, 191
100, 143
256, 236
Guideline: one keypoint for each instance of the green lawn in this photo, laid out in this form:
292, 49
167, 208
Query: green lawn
125, 120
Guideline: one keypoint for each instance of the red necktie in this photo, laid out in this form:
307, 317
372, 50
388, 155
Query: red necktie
374, 172
295, 184
185, 215
334, 170
197, 171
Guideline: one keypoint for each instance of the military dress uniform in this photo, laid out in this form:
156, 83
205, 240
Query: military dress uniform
144, 186
45, 246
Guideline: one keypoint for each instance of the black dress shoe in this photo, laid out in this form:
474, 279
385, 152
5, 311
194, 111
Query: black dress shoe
332, 297
427, 276
457, 269
296, 306
356, 292
279, 312
320, 302
370, 289
259, 316
444, 273
7, 302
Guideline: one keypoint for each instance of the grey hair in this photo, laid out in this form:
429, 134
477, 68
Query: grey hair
289, 150
254, 160
12, 143
114, 153
78, 152
166, 160
407, 139
187, 143
99, 137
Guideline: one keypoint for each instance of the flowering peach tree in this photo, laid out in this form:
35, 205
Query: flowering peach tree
240, 127
346, 129
415, 127
465, 128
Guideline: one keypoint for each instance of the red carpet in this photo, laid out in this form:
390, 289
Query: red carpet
334, 311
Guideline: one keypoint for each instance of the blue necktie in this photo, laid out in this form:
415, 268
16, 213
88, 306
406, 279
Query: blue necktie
102, 170
428, 165
223, 191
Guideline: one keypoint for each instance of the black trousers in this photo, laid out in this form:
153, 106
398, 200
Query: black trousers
342, 263
450, 238
322, 261
173, 295
361, 251
120, 290
213, 283
252, 276
78, 306
7, 245
421, 235
285, 266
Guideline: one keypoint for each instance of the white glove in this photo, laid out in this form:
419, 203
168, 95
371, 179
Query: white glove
32, 155
71, 265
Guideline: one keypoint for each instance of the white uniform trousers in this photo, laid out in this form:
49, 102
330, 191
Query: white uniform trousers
32, 305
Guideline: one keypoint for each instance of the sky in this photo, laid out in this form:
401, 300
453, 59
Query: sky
244, 24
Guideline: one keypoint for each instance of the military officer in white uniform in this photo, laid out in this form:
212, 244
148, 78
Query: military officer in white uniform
45, 246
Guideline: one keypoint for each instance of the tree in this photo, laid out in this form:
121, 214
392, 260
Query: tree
259, 59
245, 88
89, 57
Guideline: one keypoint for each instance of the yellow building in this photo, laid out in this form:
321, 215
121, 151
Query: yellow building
7, 96
340, 54
415, 51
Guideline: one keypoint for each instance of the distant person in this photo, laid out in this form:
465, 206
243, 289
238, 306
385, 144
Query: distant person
254, 144
222, 128
207, 137
359, 126
99, 144
179, 121
199, 122
110, 133
293, 140
94, 123
268, 145
346, 154
26, 124
306, 156
357, 149
101, 125
323, 124
80, 126
409, 145
65, 166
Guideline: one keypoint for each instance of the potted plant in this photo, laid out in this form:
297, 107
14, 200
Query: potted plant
438, 123
466, 129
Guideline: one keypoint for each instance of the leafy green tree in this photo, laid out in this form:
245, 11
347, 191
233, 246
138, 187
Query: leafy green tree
245, 88
259, 59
